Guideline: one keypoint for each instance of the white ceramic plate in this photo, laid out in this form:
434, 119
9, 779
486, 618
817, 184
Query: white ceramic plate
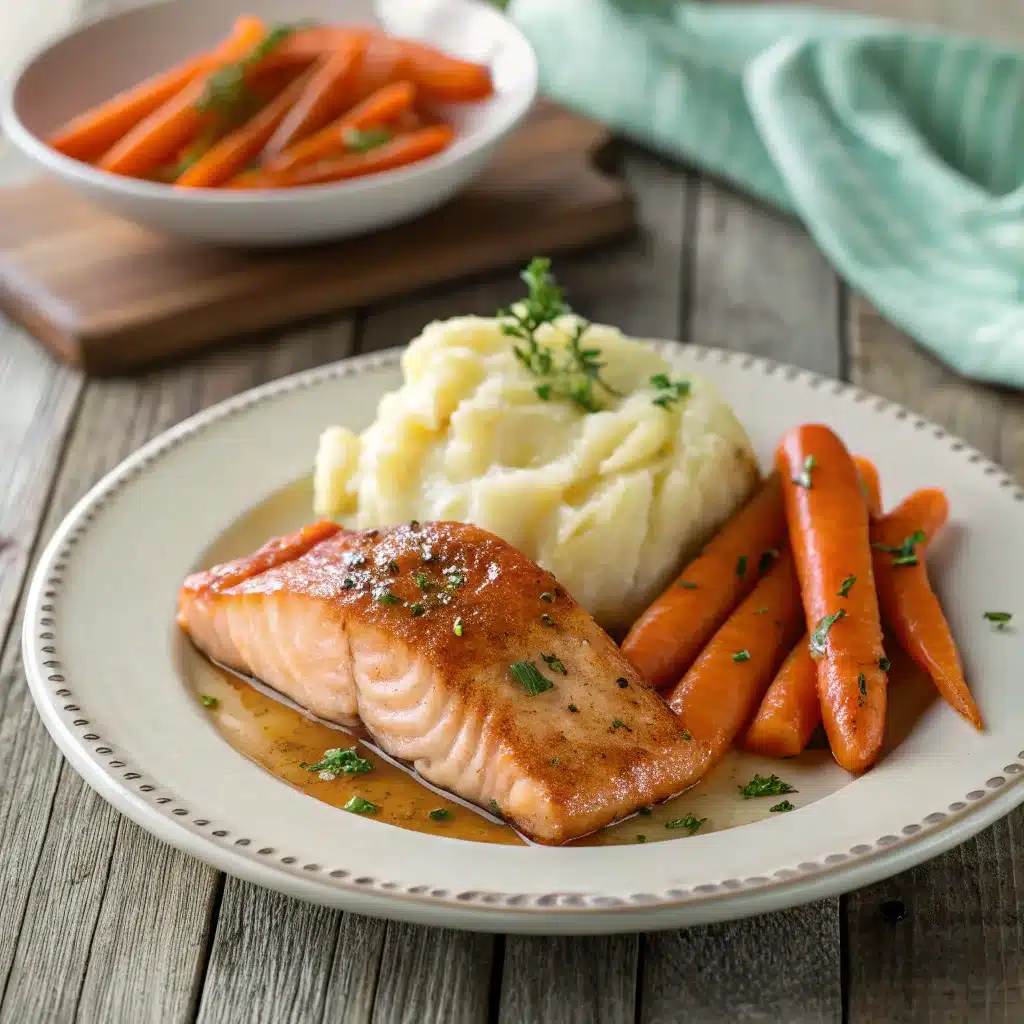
97, 60
106, 667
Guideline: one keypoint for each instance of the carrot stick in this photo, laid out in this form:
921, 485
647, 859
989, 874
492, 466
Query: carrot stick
790, 711
442, 77
230, 155
383, 107
400, 151
306, 45
828, 528
666, 639
323, 99
870, 485
722, 689
156, 138
908, 602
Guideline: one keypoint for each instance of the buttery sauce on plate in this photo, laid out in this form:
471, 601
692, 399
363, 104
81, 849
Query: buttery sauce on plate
283, 739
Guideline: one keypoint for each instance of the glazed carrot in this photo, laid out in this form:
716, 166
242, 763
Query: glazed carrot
666, 639
791, 710
382, 108
908, 602
227, 157
870, 485
722, 689
158, 137
324, 98
442, 77
305, 45
829, 530
400, 151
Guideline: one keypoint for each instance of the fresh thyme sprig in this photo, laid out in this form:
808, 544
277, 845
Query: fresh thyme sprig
572, 373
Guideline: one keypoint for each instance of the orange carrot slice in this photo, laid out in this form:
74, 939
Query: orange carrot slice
790, 711
158, 137
228, 157
908, 602
325, 97
829, 531
445, 78
382, 108
719, 694
666, 639
400, 151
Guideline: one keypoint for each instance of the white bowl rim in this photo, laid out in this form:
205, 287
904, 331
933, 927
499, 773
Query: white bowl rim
82, 173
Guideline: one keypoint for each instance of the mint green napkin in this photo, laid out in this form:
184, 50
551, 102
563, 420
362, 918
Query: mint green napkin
902, 150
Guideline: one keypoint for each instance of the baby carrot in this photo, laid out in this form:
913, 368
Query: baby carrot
908, 602
828, 528
324, 97
380, 109
666, 639
722, 689
400, 151
158, 137
791, 710
442, 77
229, 155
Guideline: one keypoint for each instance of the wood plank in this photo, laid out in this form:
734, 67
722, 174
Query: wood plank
63, 872
260, 971
944, 941
719, 973
356, 967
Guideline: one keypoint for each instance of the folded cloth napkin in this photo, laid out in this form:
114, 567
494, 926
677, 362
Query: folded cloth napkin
901, 149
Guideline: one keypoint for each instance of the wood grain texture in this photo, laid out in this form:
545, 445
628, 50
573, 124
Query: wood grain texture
62, 871
792, 315
355, 970
108, 296
957, 952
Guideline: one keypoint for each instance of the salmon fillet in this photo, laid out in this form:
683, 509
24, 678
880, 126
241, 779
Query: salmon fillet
460, 657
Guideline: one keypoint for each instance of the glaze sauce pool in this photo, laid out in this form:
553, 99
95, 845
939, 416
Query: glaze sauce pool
280, 739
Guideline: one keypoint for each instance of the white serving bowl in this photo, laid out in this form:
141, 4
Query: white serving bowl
97, 60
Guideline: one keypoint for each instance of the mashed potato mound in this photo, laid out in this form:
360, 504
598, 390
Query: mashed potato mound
612, 502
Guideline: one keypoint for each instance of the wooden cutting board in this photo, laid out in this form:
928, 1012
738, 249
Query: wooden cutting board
109, 297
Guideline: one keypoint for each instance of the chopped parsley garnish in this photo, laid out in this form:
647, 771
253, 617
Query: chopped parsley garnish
554, 664
529, 678
690, 822
547, 620
417, 608
862, 684
438, 814
884, 663
743, 655
547, 596
618, 723
414, 524
575, 371
687, 585
686, 735
1000, 619
820, 635
785, 805
766, 560
741, 566
759, 785
393, 567
457, 626
622, 683
904, 554
363, 140
495, 809
669, 391
339, 761
357, 805
386, 597
556, 761
208, 702
641, 839
803, 478
422, 580
348, 583
844, 587
453, 579
762, 611
573, 708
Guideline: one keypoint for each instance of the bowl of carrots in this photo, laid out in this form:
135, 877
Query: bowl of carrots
278, 125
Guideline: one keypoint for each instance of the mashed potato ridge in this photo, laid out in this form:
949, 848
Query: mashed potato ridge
611, 502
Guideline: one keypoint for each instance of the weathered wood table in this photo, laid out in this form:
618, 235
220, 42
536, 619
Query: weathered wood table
99, 922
